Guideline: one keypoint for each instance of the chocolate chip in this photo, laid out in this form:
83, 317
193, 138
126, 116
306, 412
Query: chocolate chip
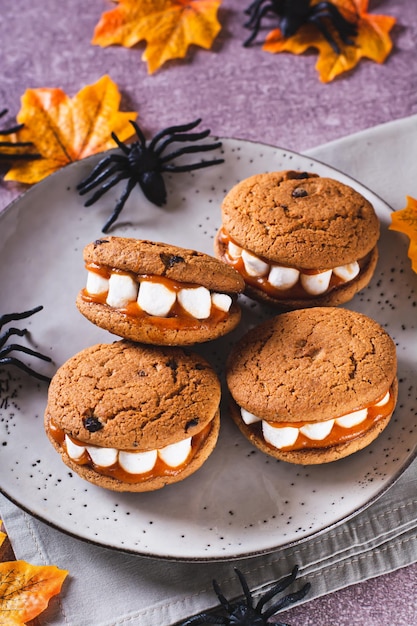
172, 364
169, 260
92, 424
302, 175
299, 192
98, 242
191, 423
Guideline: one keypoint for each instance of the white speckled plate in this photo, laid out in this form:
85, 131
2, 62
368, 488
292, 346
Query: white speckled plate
240, 502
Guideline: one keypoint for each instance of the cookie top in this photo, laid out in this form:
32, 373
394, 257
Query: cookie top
145, 257
133, 397
300, 219
311, 365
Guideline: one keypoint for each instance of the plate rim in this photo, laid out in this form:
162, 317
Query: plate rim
244, 554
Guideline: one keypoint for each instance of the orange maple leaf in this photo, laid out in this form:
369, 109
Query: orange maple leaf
64, 129
372, 40
405, 221
168, 26
25, 590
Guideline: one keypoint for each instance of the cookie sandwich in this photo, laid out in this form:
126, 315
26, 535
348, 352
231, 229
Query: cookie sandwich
156, 293
313, 385
298, 240
130, 417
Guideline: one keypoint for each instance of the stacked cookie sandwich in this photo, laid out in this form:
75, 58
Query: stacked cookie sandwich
143, 412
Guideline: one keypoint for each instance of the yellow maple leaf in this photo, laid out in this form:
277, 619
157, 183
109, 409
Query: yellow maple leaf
63, 129
168, 26
405, 221
372, 40
2, 534
25, 590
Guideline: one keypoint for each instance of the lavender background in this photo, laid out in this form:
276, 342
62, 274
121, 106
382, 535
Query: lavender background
239, 92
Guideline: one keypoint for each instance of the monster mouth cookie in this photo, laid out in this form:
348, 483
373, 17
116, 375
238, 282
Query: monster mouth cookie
314, 385
298, 240
157, 293
130, 417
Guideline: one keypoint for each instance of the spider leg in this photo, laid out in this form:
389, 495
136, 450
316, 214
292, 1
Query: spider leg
8, 131
183, 128
17, 348
139, 133
119, 206
12, 361
254, 23
282, 584
121, 145
189, 150
98, 169
245, 588
111, 183
222, 599
204, 618
11, 331
285, 602
316, 20
193, 166
13, 317
182, 137
88, 184
344, 27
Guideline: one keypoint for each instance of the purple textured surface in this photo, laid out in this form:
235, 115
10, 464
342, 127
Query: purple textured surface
238, 92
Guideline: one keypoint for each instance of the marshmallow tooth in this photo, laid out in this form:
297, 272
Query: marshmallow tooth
122, 290
222, 301
283, 277
316, 284
196, 301
347, 272
280, 437
104, 457
137, 462
96, 284
155, 298
176, 453
253, 265
74, 451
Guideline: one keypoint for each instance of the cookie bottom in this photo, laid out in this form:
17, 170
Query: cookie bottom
161, 331
337, 295
311, 456
89, 474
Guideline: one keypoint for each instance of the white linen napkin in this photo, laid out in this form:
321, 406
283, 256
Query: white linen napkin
108, 588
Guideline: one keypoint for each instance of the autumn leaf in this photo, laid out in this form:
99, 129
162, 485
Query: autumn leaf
25, 590
2, 534
168, 26
63, 129
372, 40
405, 221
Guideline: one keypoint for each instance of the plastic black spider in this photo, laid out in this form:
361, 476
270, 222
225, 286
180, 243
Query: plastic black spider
5, 351
293, 14
244, 613
143, 163
8, 156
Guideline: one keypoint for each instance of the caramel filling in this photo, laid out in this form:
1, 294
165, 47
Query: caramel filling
301, 285
179, 314
115, 470
338, 433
